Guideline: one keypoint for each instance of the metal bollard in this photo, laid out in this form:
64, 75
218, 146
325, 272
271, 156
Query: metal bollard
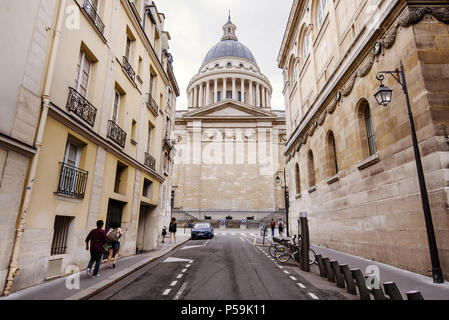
340, 279
350, 284
361, 284
414, 295
392, 290
323, 271
330, 272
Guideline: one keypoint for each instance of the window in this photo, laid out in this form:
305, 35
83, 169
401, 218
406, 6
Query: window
217, 65
369, 131
332, 154
151, 83
229, 64
239, 94
147, 188
134, 132
322, 11
128, 48
72, 180
228, 94
306, 46
311, 166
241, 65
167, 128
84, 68
297, 179
140, 67
219, 96
60, 235
116, 107
150, 133
72, 154
120, 178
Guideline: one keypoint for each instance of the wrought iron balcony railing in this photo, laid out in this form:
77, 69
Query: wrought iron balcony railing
91, 11
77, 104
152, 105
128, 69
72, 181
116, 134
150, 162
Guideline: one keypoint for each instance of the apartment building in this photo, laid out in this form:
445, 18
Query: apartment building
102, 146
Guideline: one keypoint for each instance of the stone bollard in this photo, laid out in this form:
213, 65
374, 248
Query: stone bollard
339, 277
350, 284
361, 284
321, 265
414, 295
392, 290
330, 272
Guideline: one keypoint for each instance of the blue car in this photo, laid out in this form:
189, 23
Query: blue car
202, 230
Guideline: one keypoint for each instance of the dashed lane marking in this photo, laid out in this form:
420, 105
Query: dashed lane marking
166, 292
293, 278
301, 285
313, 296
180, 292
179, 276
173, 283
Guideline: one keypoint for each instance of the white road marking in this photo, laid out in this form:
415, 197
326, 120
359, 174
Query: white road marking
188, 266
173, 283
179, 276
280, 267
192, 247
184, 270
293, 278
313, 296
285, 271
166, 292
178, 295
177, 260
301, 285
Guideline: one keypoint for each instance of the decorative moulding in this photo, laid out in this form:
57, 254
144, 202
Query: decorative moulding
332, 179
368, 161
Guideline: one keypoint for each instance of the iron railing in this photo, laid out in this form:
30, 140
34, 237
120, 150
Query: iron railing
77, 104
61, 232
91, 11
116, 134
72, 181
150, 162
128, 69
152, 105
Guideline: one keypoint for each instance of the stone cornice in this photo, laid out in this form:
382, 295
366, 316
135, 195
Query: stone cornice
9, 143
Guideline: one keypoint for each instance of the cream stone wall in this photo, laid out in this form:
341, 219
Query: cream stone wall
372, 207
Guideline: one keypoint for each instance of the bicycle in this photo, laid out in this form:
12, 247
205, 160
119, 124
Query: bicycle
278, 242
292, 250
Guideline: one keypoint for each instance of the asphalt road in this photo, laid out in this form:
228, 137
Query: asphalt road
228, 267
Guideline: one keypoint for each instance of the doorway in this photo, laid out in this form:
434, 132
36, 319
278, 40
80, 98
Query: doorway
147, 230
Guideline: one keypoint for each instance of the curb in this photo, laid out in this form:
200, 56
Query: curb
93, 290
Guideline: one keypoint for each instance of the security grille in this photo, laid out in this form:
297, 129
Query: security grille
61, 231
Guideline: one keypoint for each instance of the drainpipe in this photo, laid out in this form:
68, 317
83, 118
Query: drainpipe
21, 220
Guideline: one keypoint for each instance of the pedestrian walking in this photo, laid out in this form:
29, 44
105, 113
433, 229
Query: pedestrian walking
114, 236
98, 239
281, 227
273, 226
164, 234
172, 229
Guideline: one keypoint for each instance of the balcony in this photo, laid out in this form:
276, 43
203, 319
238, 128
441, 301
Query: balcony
77, 104
72, 182
129, 70
150, 162
116, 134
91, 12
152, 105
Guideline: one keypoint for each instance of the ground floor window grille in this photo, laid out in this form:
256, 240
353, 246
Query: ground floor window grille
60, 236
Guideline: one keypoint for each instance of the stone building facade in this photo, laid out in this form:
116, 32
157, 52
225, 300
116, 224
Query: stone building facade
351, 161
95, 113
230, 141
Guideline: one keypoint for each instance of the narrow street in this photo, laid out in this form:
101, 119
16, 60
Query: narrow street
227, 267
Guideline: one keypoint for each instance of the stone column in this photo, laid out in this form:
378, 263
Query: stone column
257, 95
234, 91
243, 89
251, 98
263, 97
215, 90
195, 97
223, 95
208, 93
201, 97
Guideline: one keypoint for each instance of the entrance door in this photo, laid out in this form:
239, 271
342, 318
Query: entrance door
115, 212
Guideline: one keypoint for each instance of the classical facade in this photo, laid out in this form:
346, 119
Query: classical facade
94, 115
230, 141
350, 161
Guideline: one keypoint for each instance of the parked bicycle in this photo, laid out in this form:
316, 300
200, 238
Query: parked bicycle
292, 250
279, 242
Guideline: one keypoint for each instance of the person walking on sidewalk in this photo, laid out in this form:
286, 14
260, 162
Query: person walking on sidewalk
164, 234
98, 240
281, 227
114, 235
272, 225
172, 229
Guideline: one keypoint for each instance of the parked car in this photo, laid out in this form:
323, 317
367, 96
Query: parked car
202, 230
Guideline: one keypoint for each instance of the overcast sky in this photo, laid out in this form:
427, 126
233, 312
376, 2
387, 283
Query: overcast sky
195, 26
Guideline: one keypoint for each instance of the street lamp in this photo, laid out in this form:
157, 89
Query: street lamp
384, 97
286, 197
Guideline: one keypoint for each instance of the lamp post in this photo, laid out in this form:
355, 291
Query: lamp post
383, 97
286, 198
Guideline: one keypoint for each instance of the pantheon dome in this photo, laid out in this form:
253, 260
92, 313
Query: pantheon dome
229, 72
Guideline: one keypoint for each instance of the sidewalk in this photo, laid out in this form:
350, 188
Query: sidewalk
57, 289
405, 280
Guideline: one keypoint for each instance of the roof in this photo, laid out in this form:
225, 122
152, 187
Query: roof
229, 48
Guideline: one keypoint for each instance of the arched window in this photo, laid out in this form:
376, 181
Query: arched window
311, 166
229, 64
322, 11
369, 131
306, 45
297, 179
292, 75
366, 129
332, 154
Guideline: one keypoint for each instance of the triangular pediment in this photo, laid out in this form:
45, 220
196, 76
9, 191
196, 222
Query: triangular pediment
229, 110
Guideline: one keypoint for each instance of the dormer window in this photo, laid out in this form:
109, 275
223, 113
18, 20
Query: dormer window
241, 65
229, 64
217, 65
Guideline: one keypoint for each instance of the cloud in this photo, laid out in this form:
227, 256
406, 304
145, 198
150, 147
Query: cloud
196, 25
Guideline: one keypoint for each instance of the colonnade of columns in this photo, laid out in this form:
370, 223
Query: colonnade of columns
247, 91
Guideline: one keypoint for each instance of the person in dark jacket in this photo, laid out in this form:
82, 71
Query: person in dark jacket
172, 229
98, 240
